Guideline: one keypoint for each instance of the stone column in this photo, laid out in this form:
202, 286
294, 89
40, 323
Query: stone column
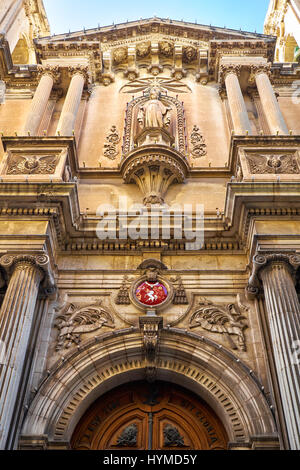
238, 110
277, 274
40, 99
269, 101
16, 319
68, 116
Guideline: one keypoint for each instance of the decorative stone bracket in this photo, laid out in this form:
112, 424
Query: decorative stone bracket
261, 260
150, 326
154, 169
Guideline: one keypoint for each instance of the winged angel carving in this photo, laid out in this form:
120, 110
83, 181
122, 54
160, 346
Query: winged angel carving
31, 164
76, 319
276, 164
226, 319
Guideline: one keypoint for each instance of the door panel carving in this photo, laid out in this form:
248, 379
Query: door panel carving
159, 416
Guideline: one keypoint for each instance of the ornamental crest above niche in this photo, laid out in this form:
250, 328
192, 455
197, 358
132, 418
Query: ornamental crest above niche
155, 147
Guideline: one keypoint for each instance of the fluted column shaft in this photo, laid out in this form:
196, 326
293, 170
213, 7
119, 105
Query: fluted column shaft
16, 318
69, 112
39, 104
284, 321
270, 105
238, 110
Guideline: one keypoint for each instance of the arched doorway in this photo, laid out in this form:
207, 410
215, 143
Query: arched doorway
159, 416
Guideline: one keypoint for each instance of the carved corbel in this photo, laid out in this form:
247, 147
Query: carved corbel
260, 261
132, 71
155, 68
150, 326
107, 78
178, 73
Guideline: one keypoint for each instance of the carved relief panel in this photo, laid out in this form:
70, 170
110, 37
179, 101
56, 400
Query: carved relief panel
39, 160
76, 320
269, 164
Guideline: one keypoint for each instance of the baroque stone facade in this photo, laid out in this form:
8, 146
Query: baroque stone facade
111, 140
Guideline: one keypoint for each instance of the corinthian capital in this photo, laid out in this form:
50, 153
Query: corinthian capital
261, 68
52, 70
261, 261
226, 69
80, 70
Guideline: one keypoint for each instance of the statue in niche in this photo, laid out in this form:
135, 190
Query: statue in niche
154, 113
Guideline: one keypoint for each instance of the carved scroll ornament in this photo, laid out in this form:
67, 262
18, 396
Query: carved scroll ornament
189, 54
198, 143
180, 297
224, 319
76, 320
110, 149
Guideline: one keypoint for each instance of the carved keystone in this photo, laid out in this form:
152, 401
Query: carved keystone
150, 327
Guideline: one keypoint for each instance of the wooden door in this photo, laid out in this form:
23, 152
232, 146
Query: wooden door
160, 416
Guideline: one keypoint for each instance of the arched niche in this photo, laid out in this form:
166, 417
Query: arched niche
176, 128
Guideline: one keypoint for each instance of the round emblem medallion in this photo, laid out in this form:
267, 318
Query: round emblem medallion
151, 293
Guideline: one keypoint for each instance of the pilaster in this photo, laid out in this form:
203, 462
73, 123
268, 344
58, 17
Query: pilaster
276, 271
26, 272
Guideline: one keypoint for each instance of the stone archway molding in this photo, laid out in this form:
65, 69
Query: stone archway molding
109, 360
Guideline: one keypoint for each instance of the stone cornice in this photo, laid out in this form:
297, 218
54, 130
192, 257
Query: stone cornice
251, 48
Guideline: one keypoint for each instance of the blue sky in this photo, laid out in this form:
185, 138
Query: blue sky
65, 15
